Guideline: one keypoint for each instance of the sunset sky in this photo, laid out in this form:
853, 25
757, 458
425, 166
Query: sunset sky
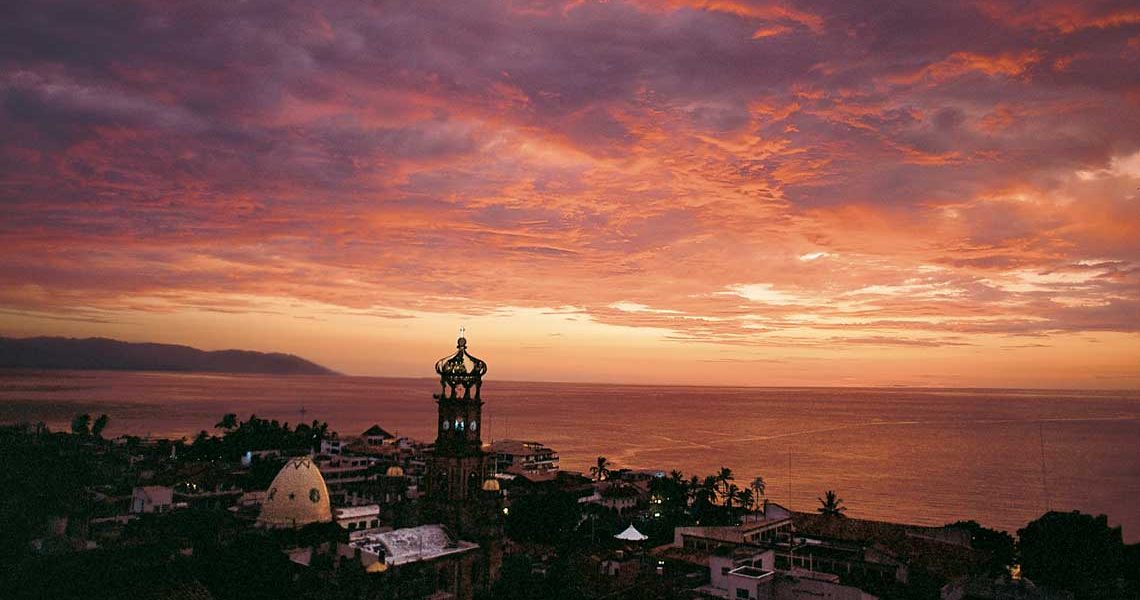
706, 192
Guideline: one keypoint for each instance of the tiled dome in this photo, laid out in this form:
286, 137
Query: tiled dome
297, 497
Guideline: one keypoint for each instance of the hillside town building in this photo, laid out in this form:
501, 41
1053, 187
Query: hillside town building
525, 458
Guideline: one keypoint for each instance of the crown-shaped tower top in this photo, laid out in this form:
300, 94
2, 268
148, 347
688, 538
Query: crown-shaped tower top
460, 375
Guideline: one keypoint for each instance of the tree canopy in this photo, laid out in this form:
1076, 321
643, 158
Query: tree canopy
1073, 551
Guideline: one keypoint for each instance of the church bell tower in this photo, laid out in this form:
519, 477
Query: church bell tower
456, 472
460, 406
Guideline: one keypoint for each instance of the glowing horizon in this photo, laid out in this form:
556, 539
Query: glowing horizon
689, 192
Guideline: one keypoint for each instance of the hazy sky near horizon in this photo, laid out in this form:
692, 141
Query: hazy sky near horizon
684, 191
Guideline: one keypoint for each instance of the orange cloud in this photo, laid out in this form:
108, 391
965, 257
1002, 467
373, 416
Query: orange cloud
843, 188
963, 63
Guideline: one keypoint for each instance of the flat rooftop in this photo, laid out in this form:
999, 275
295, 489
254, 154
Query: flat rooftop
412, 544
750, 572
357, 512
519, 447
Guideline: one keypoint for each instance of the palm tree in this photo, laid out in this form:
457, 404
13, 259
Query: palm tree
731, 495
99, 425
601, 472
704, 492
758, 486
832, 504
723, 478
746, 498
691, 487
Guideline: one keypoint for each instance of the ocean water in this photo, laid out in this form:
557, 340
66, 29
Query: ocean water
924, 456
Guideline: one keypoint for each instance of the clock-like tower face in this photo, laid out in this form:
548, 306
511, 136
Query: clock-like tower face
459, 421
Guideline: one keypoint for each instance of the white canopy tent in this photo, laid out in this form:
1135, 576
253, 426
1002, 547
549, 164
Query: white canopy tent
631, 534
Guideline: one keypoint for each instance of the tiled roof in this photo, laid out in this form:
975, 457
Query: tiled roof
376, 430
930, 548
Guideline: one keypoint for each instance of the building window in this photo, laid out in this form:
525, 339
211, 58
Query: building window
742, 593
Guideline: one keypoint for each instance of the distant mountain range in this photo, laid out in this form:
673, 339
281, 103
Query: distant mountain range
103, 353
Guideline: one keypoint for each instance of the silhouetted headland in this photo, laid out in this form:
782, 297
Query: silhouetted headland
115, 355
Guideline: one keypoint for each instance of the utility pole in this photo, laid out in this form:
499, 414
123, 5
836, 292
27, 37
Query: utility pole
1044, 479
789, 478
791, 534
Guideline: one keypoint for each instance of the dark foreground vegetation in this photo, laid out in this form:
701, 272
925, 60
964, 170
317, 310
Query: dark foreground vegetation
60, 491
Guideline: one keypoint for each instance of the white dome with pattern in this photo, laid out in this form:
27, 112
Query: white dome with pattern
297, 497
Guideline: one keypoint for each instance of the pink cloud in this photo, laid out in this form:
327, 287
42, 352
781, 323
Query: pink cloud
583, 155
